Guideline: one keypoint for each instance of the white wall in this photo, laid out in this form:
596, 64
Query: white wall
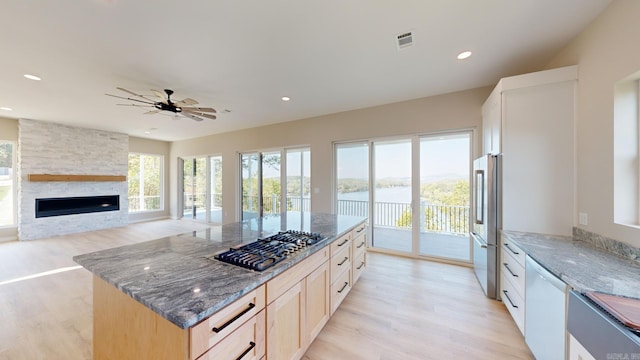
606, 51
460, 110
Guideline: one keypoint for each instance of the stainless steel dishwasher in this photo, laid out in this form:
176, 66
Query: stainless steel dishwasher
545, 312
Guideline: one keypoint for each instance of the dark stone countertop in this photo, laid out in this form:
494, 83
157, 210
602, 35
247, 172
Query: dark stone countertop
580, 264
162, 274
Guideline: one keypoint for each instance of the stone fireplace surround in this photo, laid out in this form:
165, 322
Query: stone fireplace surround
48, 148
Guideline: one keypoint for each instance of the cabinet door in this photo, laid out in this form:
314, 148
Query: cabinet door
577, 351
492, 123
286, 335
317, 306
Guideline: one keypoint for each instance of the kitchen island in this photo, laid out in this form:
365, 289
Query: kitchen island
158, 299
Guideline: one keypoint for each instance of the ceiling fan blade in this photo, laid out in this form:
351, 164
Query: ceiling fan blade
159, 94
199, 109
136, 105
208, 116
130, 99
187, 101
134, 94
191, 116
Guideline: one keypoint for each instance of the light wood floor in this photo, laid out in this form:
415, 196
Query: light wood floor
400, 308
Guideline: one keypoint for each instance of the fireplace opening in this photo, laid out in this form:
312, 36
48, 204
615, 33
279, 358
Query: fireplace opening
76, 205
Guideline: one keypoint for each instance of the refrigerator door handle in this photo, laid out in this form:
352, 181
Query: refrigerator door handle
479, 197
483, 244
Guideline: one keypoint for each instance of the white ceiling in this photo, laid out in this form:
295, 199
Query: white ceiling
244, 55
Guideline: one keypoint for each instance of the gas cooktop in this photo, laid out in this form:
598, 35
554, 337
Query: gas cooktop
265, 253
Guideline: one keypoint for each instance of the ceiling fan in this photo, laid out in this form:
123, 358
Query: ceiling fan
182, 107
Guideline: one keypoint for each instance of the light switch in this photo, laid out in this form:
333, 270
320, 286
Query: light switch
316, 190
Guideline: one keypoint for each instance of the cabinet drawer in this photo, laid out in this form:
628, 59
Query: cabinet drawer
514, 250
359, 230
212, 330
359, 245
246, 342
339, 290
359, 264
340, 262
514, 303
513, 271
340, 243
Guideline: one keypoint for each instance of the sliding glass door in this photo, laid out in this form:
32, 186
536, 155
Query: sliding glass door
419, 203
275, 181
202, 188
352, 179
391, 228
444, 195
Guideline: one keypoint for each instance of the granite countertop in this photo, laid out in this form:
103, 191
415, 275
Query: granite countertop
581, 265
163, 274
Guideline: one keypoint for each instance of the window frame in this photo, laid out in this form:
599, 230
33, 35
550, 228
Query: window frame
161, 183
14, 185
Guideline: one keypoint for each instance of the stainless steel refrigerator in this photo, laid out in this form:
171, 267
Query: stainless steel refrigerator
486, 221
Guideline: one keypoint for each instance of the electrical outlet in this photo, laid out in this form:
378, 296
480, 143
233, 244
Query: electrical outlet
583, 218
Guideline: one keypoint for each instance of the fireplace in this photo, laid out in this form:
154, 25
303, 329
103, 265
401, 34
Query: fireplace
76, 205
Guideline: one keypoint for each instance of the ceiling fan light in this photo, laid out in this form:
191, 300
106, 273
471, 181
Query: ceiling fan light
286, 98
178, 109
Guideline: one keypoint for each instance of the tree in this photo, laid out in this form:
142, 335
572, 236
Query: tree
6, 154
439, 214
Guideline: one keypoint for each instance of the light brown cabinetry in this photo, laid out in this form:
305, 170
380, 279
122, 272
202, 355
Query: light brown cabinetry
125, 329
512, 281
210, 332
340, 270
296, 314
277, 321
358, 250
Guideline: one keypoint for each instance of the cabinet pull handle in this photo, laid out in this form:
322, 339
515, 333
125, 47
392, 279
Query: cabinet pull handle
511, 272
361, 265
361, 245
508, 298
218, 329
510, 249
251, 346
343, 287
359, 231
344, 242
343, 261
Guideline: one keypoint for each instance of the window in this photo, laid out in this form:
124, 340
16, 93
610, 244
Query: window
626, 154
145, 182
7, 196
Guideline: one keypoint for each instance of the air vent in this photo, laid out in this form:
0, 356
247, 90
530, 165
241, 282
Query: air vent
404, 40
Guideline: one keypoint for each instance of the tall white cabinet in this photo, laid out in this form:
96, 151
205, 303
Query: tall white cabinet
530, 119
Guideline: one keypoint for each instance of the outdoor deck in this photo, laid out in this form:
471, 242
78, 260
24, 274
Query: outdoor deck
451, 246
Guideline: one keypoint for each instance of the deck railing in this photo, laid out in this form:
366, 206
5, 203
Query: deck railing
149, 203
440, 218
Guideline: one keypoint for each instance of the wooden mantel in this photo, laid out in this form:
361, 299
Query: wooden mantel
52, 177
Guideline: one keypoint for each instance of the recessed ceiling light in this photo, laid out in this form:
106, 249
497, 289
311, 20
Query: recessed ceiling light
6, 108
147, 132
32, 77
286, 98
464, 55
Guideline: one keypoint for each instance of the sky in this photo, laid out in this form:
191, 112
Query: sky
447, 154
